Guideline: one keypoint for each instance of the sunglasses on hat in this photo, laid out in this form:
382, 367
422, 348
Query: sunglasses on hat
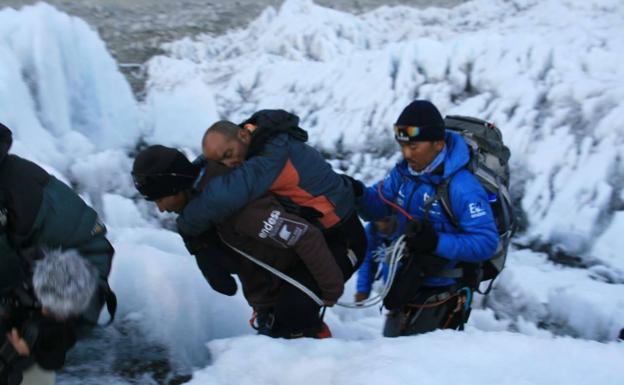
405, 133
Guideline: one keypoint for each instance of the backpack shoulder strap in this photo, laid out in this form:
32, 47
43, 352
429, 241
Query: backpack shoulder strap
442, 195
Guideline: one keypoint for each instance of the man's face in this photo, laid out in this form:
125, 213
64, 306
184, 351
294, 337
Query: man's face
228, 151
420, 154
172, 203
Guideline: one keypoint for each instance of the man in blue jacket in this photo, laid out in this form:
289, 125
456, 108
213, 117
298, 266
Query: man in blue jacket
428, 292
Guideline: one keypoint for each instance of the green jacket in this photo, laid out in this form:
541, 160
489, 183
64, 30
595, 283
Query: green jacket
38, 212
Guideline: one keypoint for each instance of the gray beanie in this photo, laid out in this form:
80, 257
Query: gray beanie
64, 282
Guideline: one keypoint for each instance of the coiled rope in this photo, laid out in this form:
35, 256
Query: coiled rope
395, 251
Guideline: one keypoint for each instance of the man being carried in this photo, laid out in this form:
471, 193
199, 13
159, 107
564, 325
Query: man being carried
269, 154
262, 229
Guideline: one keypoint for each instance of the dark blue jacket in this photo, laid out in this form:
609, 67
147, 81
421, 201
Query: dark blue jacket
283, 165
475, 239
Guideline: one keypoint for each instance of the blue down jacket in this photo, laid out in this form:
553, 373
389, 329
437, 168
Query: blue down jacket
476, 237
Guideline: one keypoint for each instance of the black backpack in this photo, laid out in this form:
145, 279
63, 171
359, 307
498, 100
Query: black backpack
489, 162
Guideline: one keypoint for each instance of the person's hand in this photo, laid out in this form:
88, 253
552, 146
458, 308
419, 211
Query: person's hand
420, 238
20, 346
216, 274
359, 297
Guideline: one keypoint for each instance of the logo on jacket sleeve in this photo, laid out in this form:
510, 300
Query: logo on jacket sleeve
400, 200
476, 210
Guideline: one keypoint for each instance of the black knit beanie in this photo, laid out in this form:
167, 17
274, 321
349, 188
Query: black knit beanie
160, 171
426, 120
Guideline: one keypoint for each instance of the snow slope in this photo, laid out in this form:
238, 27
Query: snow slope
61, 93
442, 357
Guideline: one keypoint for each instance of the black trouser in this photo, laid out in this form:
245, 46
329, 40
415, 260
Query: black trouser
295, 314
431, 309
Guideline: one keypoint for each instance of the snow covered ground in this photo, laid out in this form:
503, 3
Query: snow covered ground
442, 357
547, 72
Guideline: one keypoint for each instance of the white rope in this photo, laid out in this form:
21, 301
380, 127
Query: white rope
278, 273
395, 251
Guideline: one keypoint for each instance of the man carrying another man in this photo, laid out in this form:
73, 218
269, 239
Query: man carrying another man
262, 229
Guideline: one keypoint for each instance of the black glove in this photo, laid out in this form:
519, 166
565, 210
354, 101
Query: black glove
55, 339
357, 186
214, 262
420, 238
217, 276
421, 241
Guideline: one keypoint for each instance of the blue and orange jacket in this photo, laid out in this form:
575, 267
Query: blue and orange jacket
283, 165
476, 237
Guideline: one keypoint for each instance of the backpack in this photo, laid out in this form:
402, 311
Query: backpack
489, 163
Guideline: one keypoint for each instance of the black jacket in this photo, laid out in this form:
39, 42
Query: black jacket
270, 123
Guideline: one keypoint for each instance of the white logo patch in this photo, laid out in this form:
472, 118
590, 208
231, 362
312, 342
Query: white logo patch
269, 225
426, 198
401, 198
289, 232
284, 231
476, 210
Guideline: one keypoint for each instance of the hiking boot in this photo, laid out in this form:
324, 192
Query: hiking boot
324, 333
320, 332
263, 321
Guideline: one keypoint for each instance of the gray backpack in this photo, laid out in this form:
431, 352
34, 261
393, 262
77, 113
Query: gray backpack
489, 159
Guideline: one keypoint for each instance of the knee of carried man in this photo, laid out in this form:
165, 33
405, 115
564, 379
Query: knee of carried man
64, 283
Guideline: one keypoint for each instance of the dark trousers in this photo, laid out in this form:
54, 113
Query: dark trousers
431, 309
295, 313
